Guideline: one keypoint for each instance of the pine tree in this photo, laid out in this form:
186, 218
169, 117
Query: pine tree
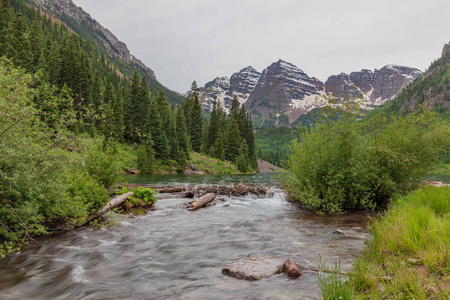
218, 149
116, 118
233, 140
19, 44
181, 131
234, 110
130, 110
154, 126
196, 124
54, 63
214, 125
5, 20
36, 41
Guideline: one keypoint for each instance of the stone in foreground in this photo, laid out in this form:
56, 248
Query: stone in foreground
291, 269
255, 267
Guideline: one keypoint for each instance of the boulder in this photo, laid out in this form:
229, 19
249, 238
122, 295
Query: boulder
255, 267
291, 269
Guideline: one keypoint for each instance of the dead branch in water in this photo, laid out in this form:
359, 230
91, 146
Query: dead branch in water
200, 202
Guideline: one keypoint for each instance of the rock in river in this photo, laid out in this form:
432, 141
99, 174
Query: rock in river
255, 267
291, 269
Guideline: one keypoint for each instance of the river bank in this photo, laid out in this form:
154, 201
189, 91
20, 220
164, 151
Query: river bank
408, 257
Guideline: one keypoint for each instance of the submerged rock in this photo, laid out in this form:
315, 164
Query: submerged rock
255, 267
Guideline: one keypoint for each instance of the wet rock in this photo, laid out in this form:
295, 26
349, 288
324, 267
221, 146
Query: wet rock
291, 269
255, 267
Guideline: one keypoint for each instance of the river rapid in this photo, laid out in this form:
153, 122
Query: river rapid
172, 253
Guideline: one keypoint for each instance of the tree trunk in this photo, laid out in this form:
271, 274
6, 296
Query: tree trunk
170, 190
111, 204
200, 202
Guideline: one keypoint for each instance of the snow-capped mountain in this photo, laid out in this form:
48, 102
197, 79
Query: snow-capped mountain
375, 88
223, 89
283, 92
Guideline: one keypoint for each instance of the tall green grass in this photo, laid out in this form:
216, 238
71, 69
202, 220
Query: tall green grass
409, 255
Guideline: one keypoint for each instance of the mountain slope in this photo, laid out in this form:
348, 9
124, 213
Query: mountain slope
82, 23
432, 87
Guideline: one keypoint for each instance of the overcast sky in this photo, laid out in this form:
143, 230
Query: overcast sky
187, 40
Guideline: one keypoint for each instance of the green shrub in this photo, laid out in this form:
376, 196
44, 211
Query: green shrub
350, 164
103, 164
146, 194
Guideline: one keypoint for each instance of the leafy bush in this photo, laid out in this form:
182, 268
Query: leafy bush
146, 194
103, 164
351, 164
40, 180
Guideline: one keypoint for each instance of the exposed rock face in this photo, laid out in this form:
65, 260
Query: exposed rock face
283, 93
223, 89
255, 267
446, 48
375, 88
101, 36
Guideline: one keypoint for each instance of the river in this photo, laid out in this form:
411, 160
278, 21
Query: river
172, 253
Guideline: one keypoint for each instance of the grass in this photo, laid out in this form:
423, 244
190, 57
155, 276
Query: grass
409, 255
211, 165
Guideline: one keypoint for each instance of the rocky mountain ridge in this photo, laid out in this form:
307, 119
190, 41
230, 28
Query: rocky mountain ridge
283, 92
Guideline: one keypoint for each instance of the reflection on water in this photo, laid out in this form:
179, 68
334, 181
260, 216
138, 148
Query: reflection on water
171, 253
268, 179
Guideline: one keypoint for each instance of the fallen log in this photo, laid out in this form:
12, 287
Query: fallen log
200, 202
111, 204
170, 190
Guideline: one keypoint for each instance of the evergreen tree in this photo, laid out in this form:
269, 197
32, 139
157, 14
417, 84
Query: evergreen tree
196, 124
19, 44
36, 41
214, 125
130, 111
233, 140
181, 131
218, 149
234, 110
159, 138
54, 63
5, 20
116, 118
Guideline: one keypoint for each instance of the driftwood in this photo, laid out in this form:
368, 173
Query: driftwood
170, 190
200, 202
234, 190
111, 204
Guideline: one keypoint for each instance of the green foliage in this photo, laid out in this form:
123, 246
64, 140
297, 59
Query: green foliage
273, 144
413, 235
348, 164
40, 180
103, 164
331, 284
145, 194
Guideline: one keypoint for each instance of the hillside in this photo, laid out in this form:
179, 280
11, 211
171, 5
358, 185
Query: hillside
433, 87
80, 22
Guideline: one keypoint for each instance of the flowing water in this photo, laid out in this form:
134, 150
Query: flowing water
171, 253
